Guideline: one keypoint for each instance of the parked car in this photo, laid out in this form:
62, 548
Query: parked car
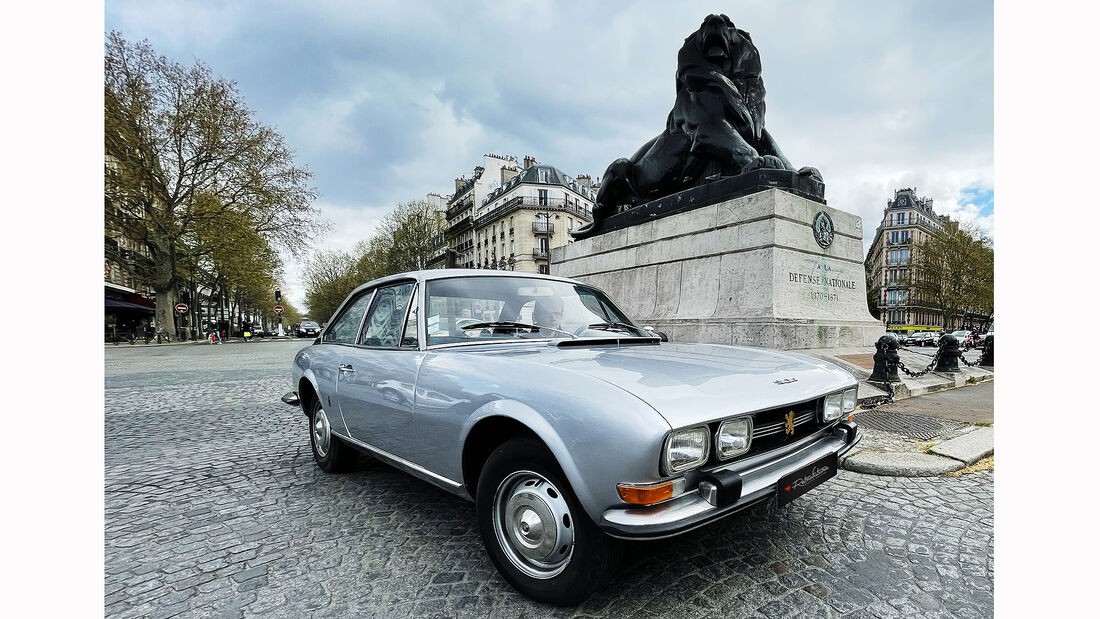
961, 336
307, 328
571, 431
911, 339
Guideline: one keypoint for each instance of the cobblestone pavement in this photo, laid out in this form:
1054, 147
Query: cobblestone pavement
214, 507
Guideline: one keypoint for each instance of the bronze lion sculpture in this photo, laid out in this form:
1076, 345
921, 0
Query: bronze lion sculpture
715, 128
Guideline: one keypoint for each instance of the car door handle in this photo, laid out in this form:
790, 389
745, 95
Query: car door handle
346, 367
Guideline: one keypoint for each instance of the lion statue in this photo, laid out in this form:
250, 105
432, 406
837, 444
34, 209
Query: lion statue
715, 128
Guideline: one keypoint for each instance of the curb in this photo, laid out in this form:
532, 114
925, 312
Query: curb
900, 464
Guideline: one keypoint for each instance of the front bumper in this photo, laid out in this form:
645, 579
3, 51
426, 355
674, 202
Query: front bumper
757, 477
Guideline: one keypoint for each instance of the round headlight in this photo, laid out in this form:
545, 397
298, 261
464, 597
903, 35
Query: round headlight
685, 449
733, 438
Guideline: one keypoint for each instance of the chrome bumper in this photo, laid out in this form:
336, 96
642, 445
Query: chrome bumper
291, 398
758, 480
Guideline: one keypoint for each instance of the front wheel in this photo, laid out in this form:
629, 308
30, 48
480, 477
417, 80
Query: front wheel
331, 454
537, 534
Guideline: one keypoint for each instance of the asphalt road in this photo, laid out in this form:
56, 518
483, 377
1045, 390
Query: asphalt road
214, 507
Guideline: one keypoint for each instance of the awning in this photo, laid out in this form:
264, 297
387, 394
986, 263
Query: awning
112, 304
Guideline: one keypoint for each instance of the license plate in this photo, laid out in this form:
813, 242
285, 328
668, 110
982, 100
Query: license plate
794, 485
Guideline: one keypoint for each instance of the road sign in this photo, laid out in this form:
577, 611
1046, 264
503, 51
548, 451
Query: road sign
181, 308
278, 309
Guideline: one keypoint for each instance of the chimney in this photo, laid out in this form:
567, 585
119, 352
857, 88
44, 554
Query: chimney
528, 161
585, 180
458, 183
507, 173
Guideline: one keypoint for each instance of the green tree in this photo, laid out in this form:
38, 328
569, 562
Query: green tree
955, 271
329, 277
413, 232
174, 133
406, 239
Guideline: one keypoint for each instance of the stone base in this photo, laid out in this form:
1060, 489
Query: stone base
744, 271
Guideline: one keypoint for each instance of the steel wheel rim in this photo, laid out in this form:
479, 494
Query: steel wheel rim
322, 434
533, 524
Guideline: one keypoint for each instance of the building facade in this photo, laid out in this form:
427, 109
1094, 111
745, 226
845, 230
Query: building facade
907, 219
507, 217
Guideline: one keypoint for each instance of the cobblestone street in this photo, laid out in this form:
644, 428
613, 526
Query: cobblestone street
214, 506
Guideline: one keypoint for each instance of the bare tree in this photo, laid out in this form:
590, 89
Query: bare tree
173, 133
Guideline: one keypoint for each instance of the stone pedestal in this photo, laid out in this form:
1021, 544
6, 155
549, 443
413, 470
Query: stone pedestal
744, 271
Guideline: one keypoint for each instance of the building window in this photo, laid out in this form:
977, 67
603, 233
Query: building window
570, 224
542, 175
544, 197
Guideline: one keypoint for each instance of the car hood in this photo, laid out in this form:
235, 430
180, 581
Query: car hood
694, 383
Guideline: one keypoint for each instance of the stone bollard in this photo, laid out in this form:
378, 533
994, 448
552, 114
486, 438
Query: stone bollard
886, 360
949, 354
987, 351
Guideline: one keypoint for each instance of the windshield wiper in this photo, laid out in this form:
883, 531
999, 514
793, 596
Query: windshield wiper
520, 325
621, 325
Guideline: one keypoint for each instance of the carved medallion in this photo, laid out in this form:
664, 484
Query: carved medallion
823, 229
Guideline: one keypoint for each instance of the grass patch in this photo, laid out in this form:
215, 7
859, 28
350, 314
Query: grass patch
984, 425
985, 464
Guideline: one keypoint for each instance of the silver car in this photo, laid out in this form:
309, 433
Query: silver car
569, 426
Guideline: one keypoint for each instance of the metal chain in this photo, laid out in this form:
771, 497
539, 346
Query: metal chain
973, 365
911, 374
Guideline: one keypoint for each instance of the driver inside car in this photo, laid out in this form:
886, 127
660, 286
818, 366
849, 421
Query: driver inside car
548, 311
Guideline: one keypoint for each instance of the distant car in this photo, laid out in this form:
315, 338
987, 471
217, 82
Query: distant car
961, 336
307, 328
924, 338
568, 431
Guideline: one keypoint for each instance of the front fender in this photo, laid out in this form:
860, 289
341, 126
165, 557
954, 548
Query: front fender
598, 443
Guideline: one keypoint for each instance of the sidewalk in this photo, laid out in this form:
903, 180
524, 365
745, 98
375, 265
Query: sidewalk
936, 424
139, 343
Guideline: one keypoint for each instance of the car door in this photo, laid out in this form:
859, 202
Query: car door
377, 378
342, 333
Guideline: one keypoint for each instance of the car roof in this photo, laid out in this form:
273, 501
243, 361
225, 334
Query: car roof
430, 274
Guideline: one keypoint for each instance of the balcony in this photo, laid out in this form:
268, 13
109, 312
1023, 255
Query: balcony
542, 227
540, 254
531, 202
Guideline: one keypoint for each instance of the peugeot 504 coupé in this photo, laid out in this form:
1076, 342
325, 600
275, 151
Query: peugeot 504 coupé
569, 426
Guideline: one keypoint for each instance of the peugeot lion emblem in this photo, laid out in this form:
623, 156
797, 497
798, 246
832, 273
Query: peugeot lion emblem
823, 229
789, 427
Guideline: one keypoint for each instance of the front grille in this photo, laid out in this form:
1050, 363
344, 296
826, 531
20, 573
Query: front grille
769, 428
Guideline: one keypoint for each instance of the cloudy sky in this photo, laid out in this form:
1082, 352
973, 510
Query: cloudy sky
389, 101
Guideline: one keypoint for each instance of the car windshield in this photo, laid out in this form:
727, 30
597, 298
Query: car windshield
476, 309
309, 325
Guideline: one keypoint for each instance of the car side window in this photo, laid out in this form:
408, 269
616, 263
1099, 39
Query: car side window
346, 327
409, 337
387, 316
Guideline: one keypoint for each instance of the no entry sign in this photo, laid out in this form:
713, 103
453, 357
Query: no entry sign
278, 309
181, 308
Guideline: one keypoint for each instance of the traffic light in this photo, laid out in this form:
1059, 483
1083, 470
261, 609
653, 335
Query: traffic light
278, 296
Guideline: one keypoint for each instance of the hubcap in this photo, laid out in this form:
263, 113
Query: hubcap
322, 435
533, 524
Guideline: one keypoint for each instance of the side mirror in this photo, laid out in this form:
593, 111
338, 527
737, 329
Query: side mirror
660, 334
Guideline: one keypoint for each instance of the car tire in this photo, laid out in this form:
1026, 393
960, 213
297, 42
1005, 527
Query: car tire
520, 493
330, 453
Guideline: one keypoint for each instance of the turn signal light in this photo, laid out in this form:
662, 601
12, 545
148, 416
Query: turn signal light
646, 495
